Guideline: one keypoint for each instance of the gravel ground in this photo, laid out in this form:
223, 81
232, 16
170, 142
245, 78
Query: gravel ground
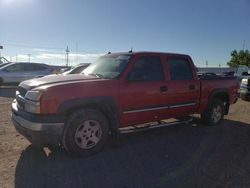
191, 155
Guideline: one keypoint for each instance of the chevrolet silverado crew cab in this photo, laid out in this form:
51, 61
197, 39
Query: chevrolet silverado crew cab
118, 92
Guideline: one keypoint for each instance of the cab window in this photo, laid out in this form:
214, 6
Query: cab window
179, 69
148, 68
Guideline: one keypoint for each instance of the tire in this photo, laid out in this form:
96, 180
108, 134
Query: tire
214, 113
86, 132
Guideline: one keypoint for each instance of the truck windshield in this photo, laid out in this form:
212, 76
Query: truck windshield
108, 66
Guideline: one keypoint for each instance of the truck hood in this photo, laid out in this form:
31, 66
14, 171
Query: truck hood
53, 79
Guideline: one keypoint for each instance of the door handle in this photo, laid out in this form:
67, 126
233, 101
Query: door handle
163, 88
191, 87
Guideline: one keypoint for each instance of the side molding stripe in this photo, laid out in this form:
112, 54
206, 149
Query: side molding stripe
146, 109
160, 107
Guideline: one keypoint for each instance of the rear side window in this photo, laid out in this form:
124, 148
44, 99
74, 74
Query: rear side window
179, 69
148, 68
14, 68
34, 67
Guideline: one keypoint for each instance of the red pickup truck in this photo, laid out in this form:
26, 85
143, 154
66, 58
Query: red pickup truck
118, 92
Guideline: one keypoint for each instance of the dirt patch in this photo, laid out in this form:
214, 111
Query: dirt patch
178, 156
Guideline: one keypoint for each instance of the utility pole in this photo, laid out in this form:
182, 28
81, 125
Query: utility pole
29, 57
77, 53
67, 56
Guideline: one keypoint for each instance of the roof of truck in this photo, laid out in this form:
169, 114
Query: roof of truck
146, 52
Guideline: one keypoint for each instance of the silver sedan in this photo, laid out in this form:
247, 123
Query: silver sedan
15, 73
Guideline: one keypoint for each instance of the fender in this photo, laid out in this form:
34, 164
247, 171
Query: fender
106, 104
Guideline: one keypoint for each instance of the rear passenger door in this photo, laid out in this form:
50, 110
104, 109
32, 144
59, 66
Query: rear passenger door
183, 86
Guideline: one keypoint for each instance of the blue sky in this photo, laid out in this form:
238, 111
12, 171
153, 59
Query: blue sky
207, 30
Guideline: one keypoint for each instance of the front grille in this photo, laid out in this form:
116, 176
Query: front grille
20, 98
20, 104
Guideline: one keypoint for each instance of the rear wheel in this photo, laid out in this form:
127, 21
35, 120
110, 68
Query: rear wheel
215, 113
86, 133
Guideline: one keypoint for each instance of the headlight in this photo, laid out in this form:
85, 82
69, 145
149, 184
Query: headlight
33, 95
244, 81
32, 104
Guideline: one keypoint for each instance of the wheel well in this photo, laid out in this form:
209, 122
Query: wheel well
98, 107
104, 108
223, 96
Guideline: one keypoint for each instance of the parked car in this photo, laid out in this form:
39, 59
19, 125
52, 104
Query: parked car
241, 72
15, 73
228, 73
65, 69
115, 95
245, 88
3, 64
77, 70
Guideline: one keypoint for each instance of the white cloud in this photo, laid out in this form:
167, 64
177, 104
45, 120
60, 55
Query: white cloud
42, 56
59, 58
43, 50
50, 56
20, 58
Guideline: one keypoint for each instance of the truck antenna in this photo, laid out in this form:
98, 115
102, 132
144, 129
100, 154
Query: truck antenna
130, 51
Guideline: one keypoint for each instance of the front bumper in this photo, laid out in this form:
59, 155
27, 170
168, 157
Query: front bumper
41, 133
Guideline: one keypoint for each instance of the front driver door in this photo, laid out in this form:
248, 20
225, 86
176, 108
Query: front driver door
143, 93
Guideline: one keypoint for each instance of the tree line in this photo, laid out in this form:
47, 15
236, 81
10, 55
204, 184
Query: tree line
241, 57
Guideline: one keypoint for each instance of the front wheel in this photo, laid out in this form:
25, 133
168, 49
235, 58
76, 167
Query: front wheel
215, 113
86, 132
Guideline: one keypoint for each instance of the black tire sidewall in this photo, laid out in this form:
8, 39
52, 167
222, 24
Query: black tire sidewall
72, 125
207, 115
